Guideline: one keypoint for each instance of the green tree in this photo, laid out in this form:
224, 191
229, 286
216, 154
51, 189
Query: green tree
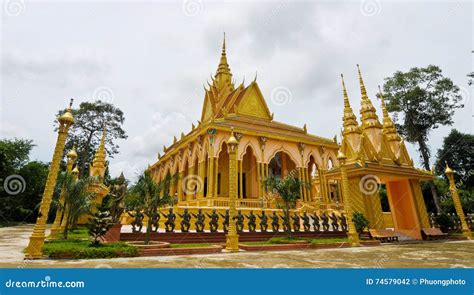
99, 224
422, 100
90, 119
149, 196
360, 222
14, 154
288, 188
458, 152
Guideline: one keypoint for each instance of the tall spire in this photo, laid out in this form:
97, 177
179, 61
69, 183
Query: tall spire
98, 164
388, 125
367, 111
223, 76
349, 119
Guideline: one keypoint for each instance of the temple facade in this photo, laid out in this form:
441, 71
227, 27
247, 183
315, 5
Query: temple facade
266, 147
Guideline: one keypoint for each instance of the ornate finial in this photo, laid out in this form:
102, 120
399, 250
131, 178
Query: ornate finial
72, 154
349, 119
448, 169
305, 129
174, 139
384, 107
341, 155
361, 82
255, 79
232, 140
223, 76
67, 118
223, 45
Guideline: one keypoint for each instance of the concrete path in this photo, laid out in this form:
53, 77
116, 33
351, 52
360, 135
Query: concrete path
458, 254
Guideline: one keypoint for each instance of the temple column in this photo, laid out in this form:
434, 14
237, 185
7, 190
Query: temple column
190, 187
241, 186
352, 233
457, 203
35, 246
259, 181
232, 238
210, 176
216, 176
201, 176
180, 185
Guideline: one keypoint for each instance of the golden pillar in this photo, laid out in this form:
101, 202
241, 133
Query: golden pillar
180, 185
241, 181
457, 202
201, 176
35, 246
232, 238
216, 177
55, 229
352, 233
210, 175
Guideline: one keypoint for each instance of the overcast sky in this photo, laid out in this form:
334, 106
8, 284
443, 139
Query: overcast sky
151, 60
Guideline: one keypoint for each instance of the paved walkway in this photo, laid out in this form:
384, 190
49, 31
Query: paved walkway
458, 254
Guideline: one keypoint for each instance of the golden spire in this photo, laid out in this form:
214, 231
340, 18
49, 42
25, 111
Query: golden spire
98, 164
448, 169
223, 76
72, 154
388, 125
367, 111
349, 119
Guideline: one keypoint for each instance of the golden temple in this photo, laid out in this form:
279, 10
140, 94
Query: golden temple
373, 154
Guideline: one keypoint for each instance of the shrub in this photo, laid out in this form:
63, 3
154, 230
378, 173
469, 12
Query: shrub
360, 222
80, 249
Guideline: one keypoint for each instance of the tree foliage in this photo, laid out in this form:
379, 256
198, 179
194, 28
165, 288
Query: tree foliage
149, 196
458, 152
288, 188
99, 224
422, 100
90, 120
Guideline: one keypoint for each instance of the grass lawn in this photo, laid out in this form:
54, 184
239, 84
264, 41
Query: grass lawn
190, 245
329, 241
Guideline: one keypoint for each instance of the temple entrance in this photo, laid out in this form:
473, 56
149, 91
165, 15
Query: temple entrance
248, 181
403, 208
281, 165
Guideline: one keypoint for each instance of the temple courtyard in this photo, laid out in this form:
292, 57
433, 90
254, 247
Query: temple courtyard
437, 254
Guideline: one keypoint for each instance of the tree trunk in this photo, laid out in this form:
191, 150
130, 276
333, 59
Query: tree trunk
66, 227
423, 148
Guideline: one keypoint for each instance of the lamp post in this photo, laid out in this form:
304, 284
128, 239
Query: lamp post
457, 202
232, 238
352, 233
55, 229
35, 246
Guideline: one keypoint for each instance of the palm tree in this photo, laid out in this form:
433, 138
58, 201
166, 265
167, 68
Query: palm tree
288, 188
150, 196
77, 199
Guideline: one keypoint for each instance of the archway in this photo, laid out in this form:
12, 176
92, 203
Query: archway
248, 181
222, 184
281, 165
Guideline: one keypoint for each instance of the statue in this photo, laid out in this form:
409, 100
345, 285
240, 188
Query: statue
239, 223
325, 219
117, 193
154, 220
335, 225
263, 222
200, 217
275, 222
251, 221
185, 221
170, 221
306, 223
296, 222
343, 220
137, 221
214, 223
286, 222
226, 217
316, 225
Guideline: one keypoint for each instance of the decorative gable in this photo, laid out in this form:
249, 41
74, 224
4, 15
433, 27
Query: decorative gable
253, 104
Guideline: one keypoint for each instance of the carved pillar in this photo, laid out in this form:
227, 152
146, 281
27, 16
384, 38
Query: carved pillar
232, 238
457, 202
35, 246
352, 233
201, 176
241, 181
180, 185
55, 229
